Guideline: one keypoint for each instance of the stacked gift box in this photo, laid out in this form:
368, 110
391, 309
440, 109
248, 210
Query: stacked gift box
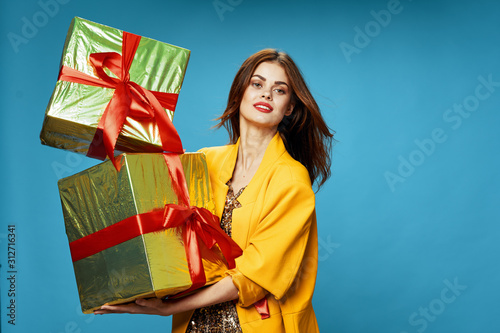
132, 221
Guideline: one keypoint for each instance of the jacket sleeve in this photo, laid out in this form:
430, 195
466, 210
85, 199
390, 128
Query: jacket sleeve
275, 251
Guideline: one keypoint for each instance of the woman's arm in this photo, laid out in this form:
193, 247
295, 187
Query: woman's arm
222, 291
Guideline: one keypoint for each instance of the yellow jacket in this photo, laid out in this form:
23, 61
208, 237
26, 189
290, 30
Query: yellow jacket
276, 228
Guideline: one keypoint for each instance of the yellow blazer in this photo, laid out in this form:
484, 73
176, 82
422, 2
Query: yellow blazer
276, 228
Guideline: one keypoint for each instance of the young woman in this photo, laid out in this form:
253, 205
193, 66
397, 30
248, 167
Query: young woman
262, 183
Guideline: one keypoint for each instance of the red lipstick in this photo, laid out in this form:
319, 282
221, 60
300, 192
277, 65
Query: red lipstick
263, 107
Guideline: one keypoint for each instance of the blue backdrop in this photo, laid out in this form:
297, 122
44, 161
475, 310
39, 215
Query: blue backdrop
409, 222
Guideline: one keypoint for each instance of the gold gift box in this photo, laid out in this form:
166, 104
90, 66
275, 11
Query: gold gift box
150, 265
74, 110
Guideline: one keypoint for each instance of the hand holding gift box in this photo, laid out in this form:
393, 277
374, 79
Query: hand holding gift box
126, 245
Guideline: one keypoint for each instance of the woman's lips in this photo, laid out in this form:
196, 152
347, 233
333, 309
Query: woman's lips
263, 107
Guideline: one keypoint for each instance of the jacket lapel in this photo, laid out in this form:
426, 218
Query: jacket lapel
227, 165
243, 216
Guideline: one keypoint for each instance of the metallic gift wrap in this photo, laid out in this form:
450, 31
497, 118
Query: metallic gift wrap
74, 109
150, 265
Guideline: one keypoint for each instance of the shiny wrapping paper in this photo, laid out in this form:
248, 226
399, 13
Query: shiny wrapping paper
75, 109
151, 265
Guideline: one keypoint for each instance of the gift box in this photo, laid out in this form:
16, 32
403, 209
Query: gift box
128, 81
153, 264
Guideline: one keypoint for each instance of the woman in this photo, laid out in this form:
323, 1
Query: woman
262, 183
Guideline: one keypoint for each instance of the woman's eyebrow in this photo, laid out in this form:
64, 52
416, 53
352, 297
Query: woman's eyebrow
264, 79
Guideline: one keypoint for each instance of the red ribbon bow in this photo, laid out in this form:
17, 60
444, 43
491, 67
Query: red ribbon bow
129, 100
200, 224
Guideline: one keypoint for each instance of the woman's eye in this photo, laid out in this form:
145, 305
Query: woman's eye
280, 91
256, 84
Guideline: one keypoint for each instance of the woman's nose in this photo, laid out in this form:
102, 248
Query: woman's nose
267, 94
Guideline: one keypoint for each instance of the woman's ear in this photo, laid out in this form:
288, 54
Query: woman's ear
289, 110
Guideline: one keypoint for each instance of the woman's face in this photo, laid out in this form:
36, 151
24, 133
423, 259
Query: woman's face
267, 99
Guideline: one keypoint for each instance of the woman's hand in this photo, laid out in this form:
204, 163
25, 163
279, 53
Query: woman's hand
222, 291
152, 306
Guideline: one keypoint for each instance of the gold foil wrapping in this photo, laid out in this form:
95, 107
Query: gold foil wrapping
74, 109
151, 265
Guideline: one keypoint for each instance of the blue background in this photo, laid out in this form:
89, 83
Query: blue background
406, 214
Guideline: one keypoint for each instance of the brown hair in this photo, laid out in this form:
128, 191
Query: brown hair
306, 136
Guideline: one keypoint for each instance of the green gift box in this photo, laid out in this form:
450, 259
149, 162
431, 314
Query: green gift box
149, 265
75, 109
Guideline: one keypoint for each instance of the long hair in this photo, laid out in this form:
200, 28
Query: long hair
306, 136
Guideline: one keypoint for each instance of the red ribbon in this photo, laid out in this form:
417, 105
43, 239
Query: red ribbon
262, 308
129, 100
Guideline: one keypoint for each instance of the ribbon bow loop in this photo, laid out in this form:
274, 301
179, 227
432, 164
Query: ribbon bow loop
198, 222
109, 60
202, 223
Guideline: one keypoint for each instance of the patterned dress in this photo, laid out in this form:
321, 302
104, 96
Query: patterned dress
220, 317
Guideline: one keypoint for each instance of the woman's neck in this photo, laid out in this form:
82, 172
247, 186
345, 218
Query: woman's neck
253, 144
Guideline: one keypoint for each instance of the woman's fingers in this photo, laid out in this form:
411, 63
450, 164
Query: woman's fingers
140, 306
124, 308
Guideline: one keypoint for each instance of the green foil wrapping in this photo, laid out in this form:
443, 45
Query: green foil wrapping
74, 110
150, 265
